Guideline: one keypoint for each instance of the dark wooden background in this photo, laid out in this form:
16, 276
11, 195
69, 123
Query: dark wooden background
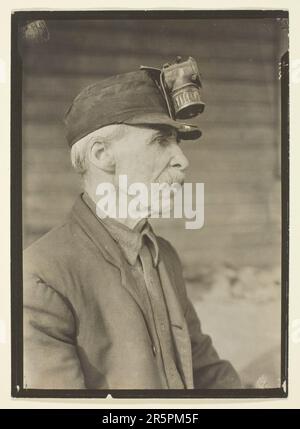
237, 158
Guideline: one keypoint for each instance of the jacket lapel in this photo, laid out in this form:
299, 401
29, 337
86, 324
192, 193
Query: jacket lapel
178, 322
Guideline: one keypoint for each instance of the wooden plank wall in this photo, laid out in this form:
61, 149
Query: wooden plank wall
236, 158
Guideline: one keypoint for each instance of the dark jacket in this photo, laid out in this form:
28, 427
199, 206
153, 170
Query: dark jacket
83, 320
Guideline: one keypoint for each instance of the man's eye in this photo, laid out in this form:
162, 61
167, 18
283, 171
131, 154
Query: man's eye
161, 140
165, 140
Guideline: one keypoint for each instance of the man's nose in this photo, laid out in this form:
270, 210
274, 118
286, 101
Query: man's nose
178, 159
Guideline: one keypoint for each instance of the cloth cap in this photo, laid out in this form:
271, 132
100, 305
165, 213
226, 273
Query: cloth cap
130, 98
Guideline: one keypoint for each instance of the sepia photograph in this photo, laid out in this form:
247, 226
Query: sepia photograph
149, 169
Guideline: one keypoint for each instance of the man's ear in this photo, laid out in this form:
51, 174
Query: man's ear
102, 157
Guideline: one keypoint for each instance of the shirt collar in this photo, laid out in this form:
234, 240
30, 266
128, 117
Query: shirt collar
129, 240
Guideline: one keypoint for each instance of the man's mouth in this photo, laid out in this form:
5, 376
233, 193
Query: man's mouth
171, 175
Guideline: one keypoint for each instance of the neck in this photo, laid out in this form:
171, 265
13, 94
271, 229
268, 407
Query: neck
91, 183
131, 223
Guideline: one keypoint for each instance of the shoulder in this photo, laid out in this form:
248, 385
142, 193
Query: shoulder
52, 244
58, 255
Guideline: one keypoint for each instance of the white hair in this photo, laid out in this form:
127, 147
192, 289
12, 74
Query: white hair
81, 149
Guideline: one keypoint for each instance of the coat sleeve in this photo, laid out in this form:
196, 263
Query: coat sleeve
209, 371
50, 358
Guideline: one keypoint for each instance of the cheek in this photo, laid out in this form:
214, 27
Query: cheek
152, 162
142, 165
160, 158
134, 165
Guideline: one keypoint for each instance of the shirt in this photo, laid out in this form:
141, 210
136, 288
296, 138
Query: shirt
140, 250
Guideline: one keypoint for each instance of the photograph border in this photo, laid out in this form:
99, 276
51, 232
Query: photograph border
17, 388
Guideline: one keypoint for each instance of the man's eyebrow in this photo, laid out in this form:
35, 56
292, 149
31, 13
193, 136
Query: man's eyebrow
163, 133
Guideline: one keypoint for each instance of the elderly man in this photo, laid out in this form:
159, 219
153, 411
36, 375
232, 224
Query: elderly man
105, 303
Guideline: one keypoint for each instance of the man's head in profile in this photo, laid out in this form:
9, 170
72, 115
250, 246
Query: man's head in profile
132, 137
105, 302
141, 156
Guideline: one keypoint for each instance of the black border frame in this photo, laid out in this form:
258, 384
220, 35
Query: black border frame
17, 389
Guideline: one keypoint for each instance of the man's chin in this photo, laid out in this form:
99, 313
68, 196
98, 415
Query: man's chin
165, 207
